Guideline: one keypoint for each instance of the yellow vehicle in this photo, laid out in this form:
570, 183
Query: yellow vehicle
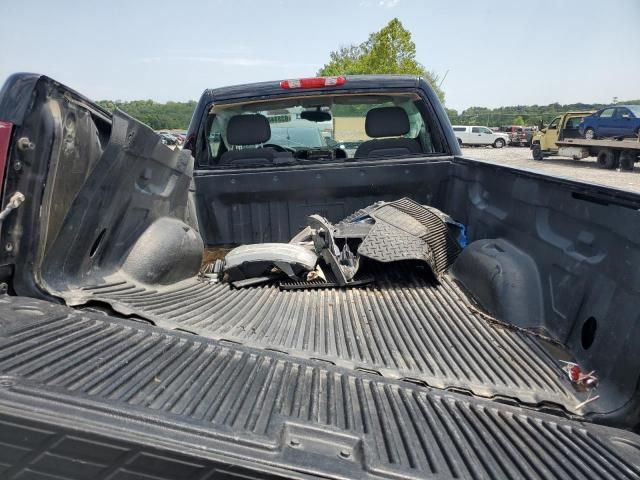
544, 143
561, 137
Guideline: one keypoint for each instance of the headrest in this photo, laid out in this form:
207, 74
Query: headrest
248, 130
386, 122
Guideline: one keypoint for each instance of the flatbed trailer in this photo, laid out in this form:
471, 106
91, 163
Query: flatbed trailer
562, 137
611, 153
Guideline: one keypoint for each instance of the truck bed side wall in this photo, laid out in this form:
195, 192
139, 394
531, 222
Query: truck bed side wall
570, 254
273, 205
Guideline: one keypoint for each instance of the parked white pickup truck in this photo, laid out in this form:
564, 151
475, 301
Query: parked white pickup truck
478, 135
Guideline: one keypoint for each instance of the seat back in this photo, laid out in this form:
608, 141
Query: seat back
244, 130
387, 122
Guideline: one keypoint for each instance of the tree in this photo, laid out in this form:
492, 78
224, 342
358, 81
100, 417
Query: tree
174, 115
454, 118
389, 50
521, 114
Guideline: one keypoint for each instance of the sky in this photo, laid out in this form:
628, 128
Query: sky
493, 53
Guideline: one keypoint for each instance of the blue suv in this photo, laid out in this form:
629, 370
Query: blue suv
617, 121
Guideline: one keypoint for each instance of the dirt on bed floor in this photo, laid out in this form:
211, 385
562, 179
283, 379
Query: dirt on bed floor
212, 254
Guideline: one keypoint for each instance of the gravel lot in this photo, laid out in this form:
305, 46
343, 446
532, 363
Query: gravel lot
584, 170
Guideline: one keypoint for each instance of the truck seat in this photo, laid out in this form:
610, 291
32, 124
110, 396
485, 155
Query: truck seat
387, 122
245, 130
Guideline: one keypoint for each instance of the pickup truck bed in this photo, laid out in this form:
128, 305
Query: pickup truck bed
404, 327
86, 395
157, 373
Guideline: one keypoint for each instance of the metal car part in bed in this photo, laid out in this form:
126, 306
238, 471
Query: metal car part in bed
405, 229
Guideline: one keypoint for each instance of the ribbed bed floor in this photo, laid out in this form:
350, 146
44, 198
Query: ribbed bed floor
207, 398
402, 327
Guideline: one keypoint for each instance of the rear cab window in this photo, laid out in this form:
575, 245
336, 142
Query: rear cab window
317, 129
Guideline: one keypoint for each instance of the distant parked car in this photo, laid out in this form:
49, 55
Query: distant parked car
478, 135
615, 121
517, 135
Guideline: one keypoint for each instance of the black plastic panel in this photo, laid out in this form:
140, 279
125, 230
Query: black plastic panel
81, 392
578, 255
45, 449
272, 205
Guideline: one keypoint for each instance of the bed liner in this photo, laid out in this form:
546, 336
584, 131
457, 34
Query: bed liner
406, 326
202, 400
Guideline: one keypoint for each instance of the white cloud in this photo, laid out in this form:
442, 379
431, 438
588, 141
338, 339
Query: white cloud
236, 61
226, 61
388, 3
236, 49
239, 61
380, 3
